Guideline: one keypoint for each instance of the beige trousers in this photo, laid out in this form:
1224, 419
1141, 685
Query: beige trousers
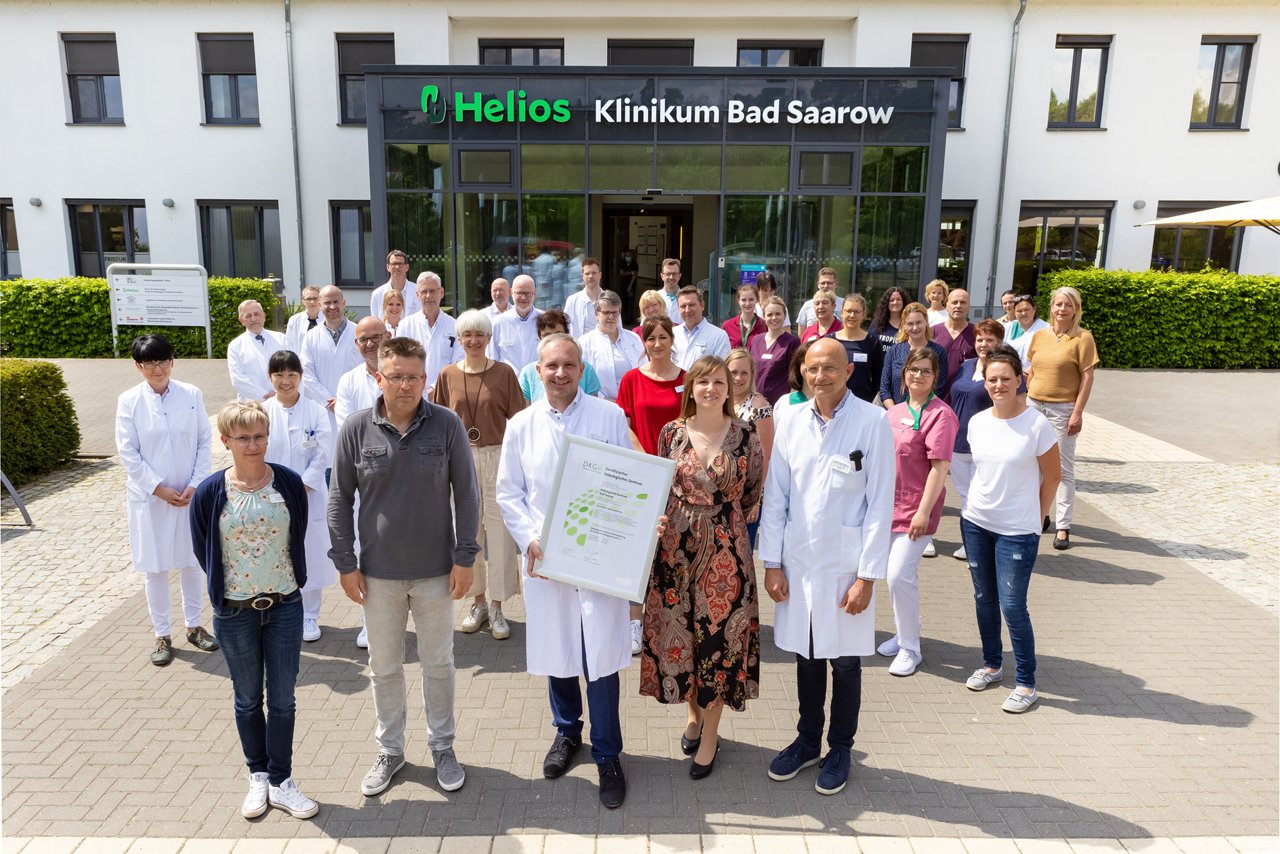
498, 577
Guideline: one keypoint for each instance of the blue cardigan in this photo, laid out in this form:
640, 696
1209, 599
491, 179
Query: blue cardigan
895, 359
206, 507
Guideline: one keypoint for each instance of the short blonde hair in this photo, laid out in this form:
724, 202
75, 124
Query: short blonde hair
652, 298
241, 414
1073, 296
937, 283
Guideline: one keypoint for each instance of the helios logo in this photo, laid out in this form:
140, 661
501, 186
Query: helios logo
513, 106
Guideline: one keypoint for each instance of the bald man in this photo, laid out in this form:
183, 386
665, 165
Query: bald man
328, 352
248, 352
515, 332
956, 335
358, 388
829, 498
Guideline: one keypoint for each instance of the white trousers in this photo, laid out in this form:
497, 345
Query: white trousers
311, 601
962, 474
191, 581
904, 588
1059, 414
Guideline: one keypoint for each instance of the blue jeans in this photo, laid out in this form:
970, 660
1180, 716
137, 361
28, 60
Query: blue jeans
1001, 567
258, 645
846, 698
602, 701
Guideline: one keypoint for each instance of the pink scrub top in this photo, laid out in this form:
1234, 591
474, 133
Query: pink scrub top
914, 449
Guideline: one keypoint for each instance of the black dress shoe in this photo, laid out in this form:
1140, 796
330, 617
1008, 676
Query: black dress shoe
1062, 543
689, 746
1047, 525
613, 784
698, 772
560, 756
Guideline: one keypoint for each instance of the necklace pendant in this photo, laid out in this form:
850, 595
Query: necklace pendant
473, 435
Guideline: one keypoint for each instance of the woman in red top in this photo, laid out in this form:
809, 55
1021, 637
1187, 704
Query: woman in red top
747, 324
824, 310
650, 394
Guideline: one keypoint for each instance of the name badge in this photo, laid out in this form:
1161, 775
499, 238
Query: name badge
841, 464
308, 444
679, 389
766, 355
908, 422
276, 498
859, 357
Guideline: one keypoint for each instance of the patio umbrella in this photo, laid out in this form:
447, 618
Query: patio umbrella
1263, 212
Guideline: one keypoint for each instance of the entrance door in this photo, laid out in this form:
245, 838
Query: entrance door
636, 237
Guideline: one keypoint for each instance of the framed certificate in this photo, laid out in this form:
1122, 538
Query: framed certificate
600, 530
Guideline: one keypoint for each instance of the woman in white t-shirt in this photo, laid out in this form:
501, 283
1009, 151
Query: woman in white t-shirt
1015, 478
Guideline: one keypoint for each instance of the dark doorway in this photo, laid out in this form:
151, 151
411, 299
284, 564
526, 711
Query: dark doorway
636, 239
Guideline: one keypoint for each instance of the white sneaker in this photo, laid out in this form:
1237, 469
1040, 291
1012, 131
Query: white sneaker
960, 554
477, 617
1018, 703
905, 663
310, 630
498, 623
362, 639
637, 637
889, 648
288, 797
255, 803
981, 678
930, 550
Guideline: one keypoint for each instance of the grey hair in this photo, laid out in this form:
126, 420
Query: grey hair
474, 320
608, 298
556, 338
427, 274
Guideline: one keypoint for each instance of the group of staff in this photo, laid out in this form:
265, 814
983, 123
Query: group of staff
840, 474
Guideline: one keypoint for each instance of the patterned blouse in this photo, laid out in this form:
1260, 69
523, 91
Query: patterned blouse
254, 527
751, 414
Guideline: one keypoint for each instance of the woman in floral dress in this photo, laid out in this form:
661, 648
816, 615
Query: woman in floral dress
701, 617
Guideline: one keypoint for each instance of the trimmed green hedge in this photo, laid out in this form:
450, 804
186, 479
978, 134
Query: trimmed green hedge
1151, 319
37, 419
71, 318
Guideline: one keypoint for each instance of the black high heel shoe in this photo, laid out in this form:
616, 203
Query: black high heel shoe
689, 746
698, 772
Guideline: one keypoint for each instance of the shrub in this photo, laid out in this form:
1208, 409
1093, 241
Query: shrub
71, 318
1153, 319
37, 420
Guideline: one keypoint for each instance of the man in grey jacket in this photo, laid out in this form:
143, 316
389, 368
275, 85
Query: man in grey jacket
407, 458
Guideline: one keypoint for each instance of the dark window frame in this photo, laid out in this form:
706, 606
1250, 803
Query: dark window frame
1046, 209
335, 208
5, 272
129, 206
507, 45
766, 45
98, 77
959, 80
260, 206
1168, 209
650, 44
345, 115
956, 209
234, 79
1246, 42
1078, 44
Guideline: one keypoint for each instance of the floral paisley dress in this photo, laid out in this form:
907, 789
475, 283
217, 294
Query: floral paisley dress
702, 617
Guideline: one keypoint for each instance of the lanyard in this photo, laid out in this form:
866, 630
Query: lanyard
745, 329
917, 415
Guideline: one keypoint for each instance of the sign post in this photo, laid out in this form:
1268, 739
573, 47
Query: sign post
167, 295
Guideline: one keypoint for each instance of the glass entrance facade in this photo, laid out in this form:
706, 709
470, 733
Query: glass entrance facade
481, 172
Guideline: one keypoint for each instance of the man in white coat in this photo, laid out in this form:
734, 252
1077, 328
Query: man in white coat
500, 291
328, 352
581, 305
695, 335
572, 632
515, 332
824, 540
398, 270
248, 352
608, 348
304, 321
432, 328
163, 438
358, 388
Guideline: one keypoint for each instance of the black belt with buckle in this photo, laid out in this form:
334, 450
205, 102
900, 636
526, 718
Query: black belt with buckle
261, 602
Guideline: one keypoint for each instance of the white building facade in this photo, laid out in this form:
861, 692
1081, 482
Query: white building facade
236, 135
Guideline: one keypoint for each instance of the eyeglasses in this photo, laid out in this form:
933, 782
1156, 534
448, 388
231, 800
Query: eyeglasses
397, 264
825, 370
311, 299
920, 372
402, 380
614, 314
246, 441
154, 366
370, 339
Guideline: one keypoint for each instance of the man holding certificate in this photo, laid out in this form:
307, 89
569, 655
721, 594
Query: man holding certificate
824, 540
572, 631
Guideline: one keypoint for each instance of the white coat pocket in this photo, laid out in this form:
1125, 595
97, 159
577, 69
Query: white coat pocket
848, 481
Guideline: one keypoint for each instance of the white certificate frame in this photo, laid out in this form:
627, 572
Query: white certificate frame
600, 530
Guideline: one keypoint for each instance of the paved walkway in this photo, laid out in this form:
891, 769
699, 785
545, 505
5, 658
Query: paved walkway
1158, 724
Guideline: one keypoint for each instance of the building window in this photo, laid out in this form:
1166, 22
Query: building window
354, 52
1188, 248
241, 239
1218, 101
93, 78
944, 51
230, 78
955, 240
754, 54
522, 51
106, 233
10, 266
1052, 237
1079, 74
672, 53
352, 243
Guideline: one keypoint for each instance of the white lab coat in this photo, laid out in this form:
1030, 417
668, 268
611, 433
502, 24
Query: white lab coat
161, 440
440, 341
409, 292
581, 309
296, 328
324, 363
300, 440
515, 339
560, 615
706, 339
826, 522
247, 363
357, 390
598, 351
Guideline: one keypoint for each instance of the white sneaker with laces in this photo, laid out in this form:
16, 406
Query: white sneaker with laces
905, 663
1017, 703
889, 648
981, 678
930, 550
362, 639
288, 797
255, 803
960, 554
637, 637
476, 617
310, 630
498, 623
